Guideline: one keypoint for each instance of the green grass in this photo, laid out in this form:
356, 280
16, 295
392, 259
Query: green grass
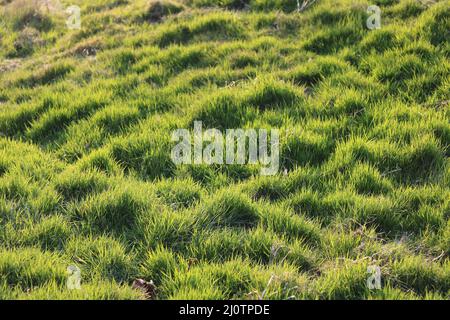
86, 178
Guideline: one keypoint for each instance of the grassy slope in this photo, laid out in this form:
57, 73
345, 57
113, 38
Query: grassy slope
86, 178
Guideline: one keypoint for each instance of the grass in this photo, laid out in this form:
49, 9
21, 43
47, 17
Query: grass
86, 178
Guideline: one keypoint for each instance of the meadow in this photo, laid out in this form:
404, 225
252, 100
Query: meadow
86, 178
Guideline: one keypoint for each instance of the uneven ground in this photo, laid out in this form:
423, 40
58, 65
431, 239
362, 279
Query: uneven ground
86, 178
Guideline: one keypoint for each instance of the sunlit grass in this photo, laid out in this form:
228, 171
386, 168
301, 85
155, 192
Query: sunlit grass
86, 177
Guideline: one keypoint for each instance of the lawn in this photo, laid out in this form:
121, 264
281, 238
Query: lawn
87, 179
